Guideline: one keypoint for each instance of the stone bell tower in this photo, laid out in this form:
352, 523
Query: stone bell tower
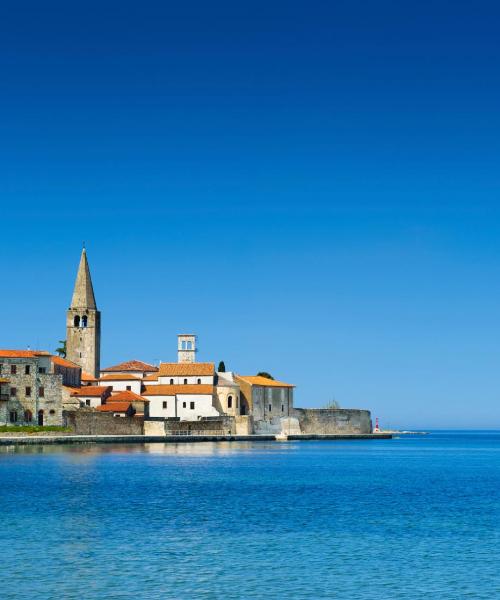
186, 348
83, 323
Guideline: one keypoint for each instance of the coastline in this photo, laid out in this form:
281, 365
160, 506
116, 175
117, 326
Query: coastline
23, 440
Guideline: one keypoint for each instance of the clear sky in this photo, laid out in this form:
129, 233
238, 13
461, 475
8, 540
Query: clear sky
311, 187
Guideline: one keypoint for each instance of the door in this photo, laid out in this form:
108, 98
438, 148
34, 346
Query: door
40, 417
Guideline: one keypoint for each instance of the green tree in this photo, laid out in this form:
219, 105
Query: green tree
265, 374
61, 351
222, 367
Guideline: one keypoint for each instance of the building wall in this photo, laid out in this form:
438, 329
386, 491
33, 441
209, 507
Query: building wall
50, 403
203, 406
328, 421
120, 386
202, 379
156, 406
223, 393
271, 402
83, 344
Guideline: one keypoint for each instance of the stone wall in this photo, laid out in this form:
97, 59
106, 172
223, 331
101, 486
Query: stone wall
221, 426
338, 420
89, 422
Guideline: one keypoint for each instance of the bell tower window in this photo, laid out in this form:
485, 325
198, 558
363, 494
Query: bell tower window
76, 321
84, 321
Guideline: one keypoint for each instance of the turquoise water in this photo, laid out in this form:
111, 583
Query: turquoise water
403, 518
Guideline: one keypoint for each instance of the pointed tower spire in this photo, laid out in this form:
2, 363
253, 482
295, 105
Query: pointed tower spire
83, 294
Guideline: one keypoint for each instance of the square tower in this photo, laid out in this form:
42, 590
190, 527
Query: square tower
186, 348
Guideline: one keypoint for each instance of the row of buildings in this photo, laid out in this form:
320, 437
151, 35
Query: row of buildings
39, 388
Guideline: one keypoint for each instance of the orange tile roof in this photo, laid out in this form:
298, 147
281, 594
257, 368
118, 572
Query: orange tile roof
263, 381
126, 396
63, 362
153, 377
119, 377
91, 390
114, 407
132, 365
88, 377
22, 353
171, 390
181, 369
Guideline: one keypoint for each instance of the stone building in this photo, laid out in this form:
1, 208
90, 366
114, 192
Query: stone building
267, 400
228, 395
31, 393
83, 323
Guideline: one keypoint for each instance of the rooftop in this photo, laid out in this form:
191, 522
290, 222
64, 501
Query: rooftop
132, 365
185, 369
126, 396
264, 381
114, 407
119, 377
91, 390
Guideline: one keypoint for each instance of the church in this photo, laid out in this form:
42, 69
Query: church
185, 390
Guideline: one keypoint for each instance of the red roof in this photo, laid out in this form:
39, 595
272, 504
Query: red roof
132, 365
22, 353
114, 407
126, 396
185, 369
63, 362
88, 377
92, 390
119, 377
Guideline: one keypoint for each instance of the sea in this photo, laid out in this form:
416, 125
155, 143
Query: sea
412, 517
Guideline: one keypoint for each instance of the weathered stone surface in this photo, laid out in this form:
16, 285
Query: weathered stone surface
89, 422
331, 421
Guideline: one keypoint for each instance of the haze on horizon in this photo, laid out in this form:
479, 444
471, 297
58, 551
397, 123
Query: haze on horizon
312, 188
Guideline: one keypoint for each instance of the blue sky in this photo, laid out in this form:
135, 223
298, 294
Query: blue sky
312, 187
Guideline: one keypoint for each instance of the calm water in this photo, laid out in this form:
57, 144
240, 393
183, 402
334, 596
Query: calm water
407, 518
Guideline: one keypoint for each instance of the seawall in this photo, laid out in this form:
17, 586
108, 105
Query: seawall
330, 421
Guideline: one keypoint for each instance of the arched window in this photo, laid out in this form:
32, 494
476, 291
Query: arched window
230, 402
171, 382
199, 381
184, 345
185, 381
76, 321
52, 412
84, 321
190, 345
28, 416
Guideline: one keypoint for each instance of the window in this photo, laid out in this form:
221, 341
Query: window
13, 416
198, 381
27, 369
230, 402
28, 392
183, 405
28, 416
237, 402
270, 408
84, 321
191, 405
13, 369
41, 392
13, 391
42, 370
183, 345
128, 388
52, 412
76, 321
190, 345
87, 402
164, 404
171, 382
282, 408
